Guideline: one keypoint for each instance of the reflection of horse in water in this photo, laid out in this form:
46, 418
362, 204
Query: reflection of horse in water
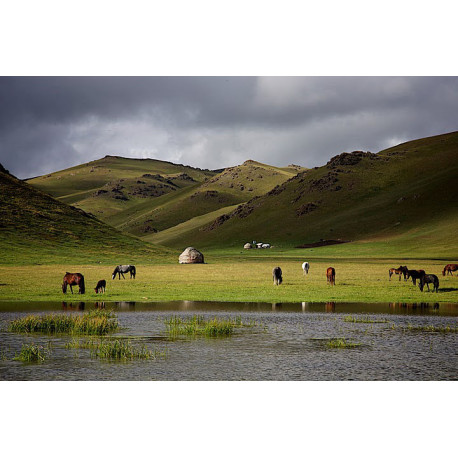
415, 275
305, 267
330, 307
277, 276
80, 306
426, 280
72, 280
331, 276
101, 285
123, 269
449, 268
401, 270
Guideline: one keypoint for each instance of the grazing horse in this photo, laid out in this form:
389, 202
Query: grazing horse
331, 276
71, 280
277, 275
429, 278
401, 270
449, 268
415, 275
101, 285
305, 267
121, 270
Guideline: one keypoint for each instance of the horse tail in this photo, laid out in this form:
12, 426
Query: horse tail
133, 271
443, 272
64, 286
81, 285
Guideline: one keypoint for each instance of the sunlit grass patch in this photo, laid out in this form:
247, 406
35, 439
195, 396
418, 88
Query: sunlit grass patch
363, 319
341, 343
197, 325
31, 353
96, 322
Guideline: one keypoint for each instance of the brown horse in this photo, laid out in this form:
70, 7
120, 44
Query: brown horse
331, 276
401, 270
71, 280
449, 268
101, 285
415, 275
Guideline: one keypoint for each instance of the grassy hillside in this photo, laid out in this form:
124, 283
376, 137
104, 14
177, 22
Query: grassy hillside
145, 196
36, 228
404, 197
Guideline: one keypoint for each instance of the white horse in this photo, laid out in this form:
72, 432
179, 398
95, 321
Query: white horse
305, 267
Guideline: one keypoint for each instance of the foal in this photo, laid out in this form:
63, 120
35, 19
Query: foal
101, 285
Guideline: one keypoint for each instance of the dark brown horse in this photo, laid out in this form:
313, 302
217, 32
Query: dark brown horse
277, 276
101, 285
331, 276
72, 280
449, 268
401, 270
415, 275
426, 280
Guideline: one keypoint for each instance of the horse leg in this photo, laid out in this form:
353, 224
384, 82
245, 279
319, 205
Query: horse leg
122, 276
71, 289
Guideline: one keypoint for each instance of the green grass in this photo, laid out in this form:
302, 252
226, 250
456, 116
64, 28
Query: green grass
31, 353
240, 278
342, 343
197, 325
432, 328
97, 322
120, 350
361, 319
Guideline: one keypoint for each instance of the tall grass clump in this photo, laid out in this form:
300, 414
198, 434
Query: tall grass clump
31, 353
96, 322
197, 325
341, 343
116, 349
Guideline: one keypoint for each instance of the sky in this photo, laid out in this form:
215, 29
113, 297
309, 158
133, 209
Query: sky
51, 123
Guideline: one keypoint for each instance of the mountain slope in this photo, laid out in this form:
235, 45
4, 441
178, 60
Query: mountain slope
406, 191
34, 227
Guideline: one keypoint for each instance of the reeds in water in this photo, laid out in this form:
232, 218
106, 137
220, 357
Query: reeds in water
31, 353
362, 319
96, 322
197, 325
341, 343
116, 349
432, 328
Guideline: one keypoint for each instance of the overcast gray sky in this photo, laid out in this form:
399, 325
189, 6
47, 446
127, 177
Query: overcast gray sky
51, 123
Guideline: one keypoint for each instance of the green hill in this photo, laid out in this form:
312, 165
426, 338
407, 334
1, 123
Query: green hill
34, 228
403, 198
146, 196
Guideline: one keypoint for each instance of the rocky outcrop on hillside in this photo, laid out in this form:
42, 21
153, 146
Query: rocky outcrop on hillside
349, 158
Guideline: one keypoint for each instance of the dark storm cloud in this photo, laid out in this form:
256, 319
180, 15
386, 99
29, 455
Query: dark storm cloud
49, 123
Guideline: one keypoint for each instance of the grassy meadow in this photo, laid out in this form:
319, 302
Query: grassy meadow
242, 277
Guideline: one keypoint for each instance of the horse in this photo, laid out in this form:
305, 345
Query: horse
71, 280
449, 268
121, 270
401, 270
331, 276
415, 275
277, 276
101, 285
429, 278
305, 267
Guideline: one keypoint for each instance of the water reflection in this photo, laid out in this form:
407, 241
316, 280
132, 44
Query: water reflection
330, 307
71, 306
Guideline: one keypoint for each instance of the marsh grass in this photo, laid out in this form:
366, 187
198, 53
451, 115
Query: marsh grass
197, 325
96, 322
120, 350
31, 353
431, 328
356, 319
342, 343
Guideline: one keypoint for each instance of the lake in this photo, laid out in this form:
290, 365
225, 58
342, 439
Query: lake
290, 341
